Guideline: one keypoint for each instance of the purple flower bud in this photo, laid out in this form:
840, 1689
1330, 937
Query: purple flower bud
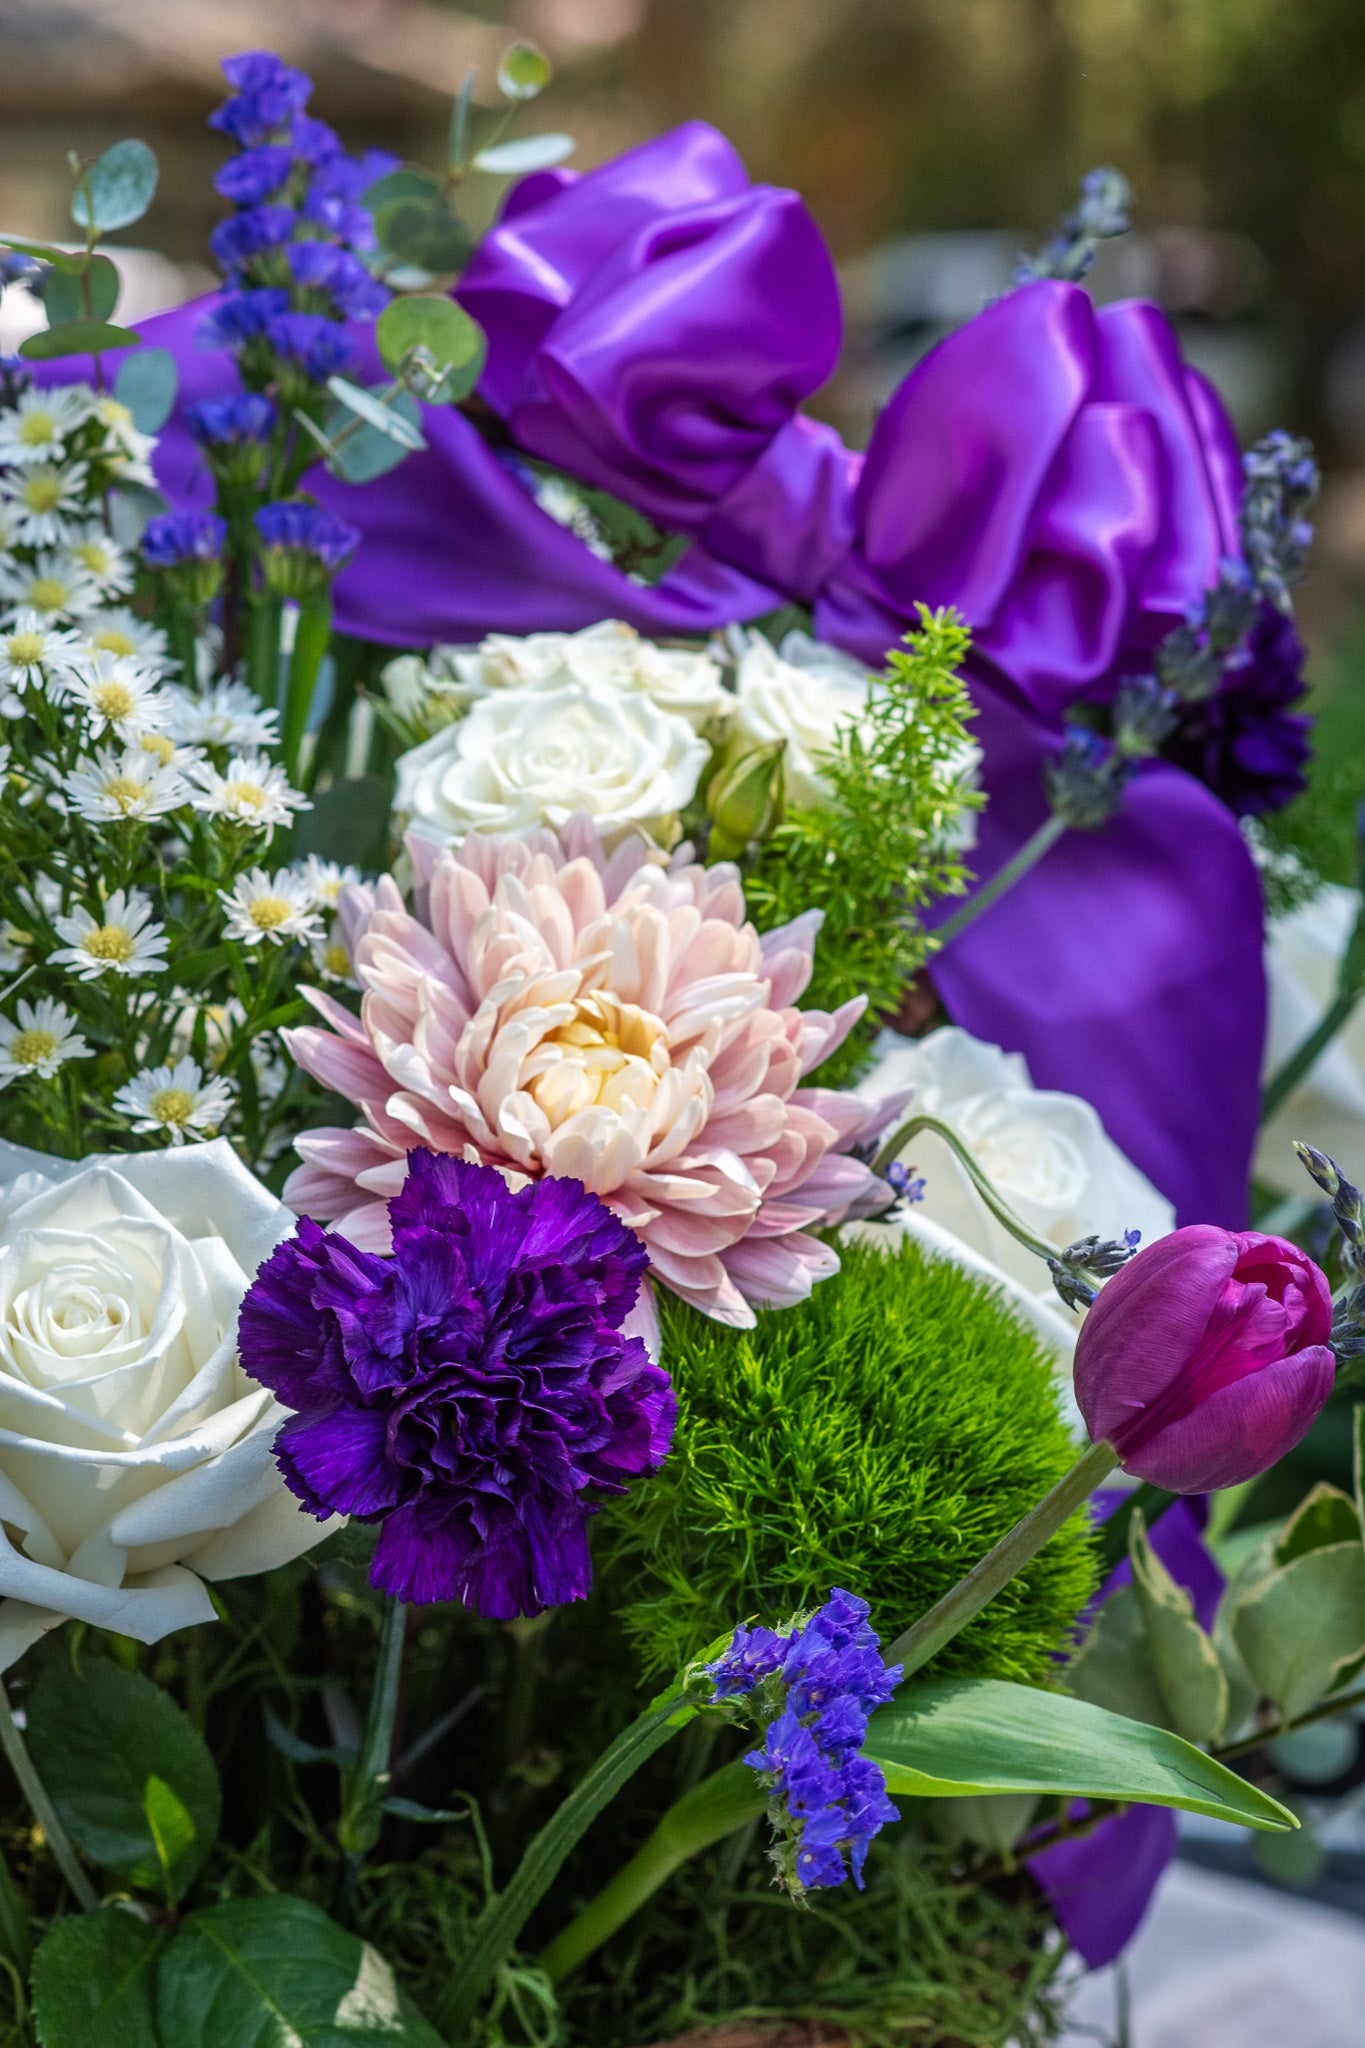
176, 537
268, 93
311, 343
322, 266
242, 316
244, 416
1206, 1357
243, 235
294, 527
255, 175
313, 141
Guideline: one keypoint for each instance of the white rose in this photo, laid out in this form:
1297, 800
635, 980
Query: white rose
534, 757
804, 695
135, 1453
1327, 1109
611, 655
1045, 1152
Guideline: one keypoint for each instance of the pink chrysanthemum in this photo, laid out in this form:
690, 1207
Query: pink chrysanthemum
615, 1020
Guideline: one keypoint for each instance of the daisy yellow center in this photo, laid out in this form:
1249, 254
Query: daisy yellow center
610, 1053
38, 429
112, 700
25, 647
115, 413
111, 641
42, 493
268, 913
336, 960
48, 594
157, 744
248, 796
109, 942
172, 1106
96, 559
125, 791
31, 1048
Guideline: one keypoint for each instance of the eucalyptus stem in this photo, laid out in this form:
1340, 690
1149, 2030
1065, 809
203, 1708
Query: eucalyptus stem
497, 1927
1028, 856
44, 1812
927, 1636
1324, 1711
1306, 1054
994, 1201
311, 635
368, 1781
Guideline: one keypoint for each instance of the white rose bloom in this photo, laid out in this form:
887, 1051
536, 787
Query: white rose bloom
526, 758
804, 695
1046, 1153
1327, 1109
135, 1453
611, 655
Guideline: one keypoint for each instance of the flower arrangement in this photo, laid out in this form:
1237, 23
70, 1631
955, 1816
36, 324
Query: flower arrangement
535, 1278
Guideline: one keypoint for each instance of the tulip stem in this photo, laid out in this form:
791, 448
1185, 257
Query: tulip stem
927, 1636
1030, 853
362, 1811
994, 1201
44, 1812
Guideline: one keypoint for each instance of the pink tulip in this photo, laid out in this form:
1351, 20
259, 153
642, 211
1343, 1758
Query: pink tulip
1206, 1357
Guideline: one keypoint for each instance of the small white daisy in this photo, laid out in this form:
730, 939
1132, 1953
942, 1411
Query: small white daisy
35, 655
126, 451
55, 585
44, 1037
275, 907
47, 503
163, 748
326, 879
177, 1099
36, 427
118, 697
125, 940
132, 784
120, 631
330, 958
250, 791
229, 715
109, 566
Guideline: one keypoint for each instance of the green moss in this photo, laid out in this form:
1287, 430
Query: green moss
882, 1439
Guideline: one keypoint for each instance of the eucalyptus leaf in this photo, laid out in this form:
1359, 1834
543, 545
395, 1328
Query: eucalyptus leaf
527, 153
122, 185
1324, 1516
60, 259
523, 71
94, 1982
425, 232
458, 139
940, 1740
131, 505
427, 321
1113, 1667
77, 338
63, 293
130, 1778
1191, 1678
277, 1973
1302, 1629
386, 419
408, 183
146, 383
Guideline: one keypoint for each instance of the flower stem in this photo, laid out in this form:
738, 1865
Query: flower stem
311, 636
994, 1201
927, 1636
44, 1812
263, 649
730, 1798
1029, 854
497, 1927
368, 1782
1307, 1053
1324, 1711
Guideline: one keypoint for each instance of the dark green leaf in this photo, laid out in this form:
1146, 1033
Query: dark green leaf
77, 338
64, 294
300, 1752
1301, 1630
61, 259
425, 232
1191, 1678
410, 1809
122, 186
93, 1982
146, 383
277, 1973
348, 822
16, 1940
130, 1778
984, 1735
1326, 1515
408, 183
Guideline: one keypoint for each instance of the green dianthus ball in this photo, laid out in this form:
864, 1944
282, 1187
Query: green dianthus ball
881, 1437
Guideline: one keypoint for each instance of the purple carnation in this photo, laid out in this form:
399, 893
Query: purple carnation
255, 175
244, 416
471, 1394
242, 316
322, 266
243, 235
294, 524
175, 537
267, 94
312, 342
1245, 742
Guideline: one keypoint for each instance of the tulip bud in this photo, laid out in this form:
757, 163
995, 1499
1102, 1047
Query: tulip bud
1206, 1357
743, 798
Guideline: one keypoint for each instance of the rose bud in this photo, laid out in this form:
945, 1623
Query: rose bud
1206, 1357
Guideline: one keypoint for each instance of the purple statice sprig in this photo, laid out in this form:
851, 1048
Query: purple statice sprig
811, 1690
301, 546
185, 549
474, 1393
1103, 211
267, 94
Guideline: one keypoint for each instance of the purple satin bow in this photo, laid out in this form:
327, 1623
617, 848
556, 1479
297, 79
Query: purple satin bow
1055, 473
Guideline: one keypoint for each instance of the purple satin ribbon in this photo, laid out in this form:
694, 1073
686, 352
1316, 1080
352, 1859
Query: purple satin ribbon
1056, 473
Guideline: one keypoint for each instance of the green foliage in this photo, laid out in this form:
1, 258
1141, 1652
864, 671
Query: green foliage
882, 1440
94, 1983
884, 848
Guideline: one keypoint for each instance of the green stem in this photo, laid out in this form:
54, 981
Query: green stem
730, 1798
44, 1812
1029, 854
311, 636
502, 1920
1306, 1054
1322, 1712
926, 1637
994, 1201
263, 649
367, 1784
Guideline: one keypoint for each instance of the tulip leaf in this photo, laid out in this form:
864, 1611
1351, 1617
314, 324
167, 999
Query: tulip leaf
988, 1820
1113, 1667
129, 1776
94, 1982
77, 338
64, 294
147, 383
1324, 1516
1188, 1671
277, 1972
1302, 1629
957, 1736
122, 185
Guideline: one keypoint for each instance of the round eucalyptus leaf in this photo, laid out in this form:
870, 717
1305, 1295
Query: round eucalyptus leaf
425, 232
426, 321
523, 72
77, 338
63, 293
122, 186
530, 153
408, 183
146, 383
